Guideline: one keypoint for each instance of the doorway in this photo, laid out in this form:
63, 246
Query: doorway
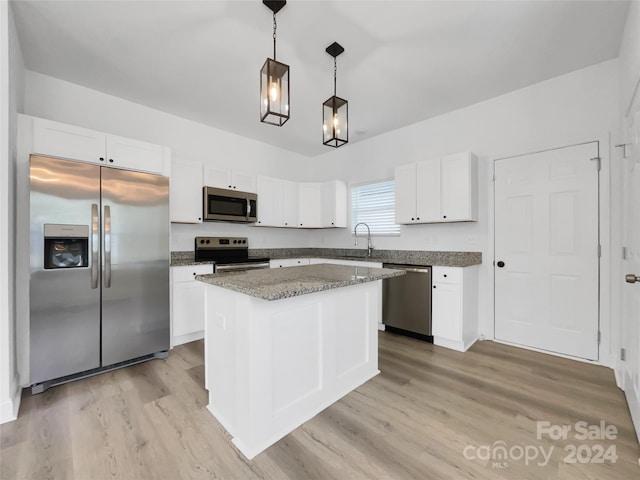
547, 250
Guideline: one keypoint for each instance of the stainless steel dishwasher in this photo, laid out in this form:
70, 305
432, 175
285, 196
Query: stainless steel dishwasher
406, 302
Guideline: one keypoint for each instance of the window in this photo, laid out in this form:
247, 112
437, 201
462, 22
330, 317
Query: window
374, 204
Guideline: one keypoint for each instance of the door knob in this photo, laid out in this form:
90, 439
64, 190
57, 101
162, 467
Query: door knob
631, 278
500, 264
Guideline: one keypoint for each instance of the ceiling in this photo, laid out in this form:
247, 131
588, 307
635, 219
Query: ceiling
404, 61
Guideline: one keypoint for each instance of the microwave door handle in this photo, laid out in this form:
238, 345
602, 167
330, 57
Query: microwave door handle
95, 243
107, 246
248, 207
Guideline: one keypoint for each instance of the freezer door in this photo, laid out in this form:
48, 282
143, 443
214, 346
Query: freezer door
64, 293
135, 275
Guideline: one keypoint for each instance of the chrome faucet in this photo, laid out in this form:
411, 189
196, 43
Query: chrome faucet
369, 246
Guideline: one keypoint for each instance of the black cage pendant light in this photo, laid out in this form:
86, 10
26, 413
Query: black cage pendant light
274, 81
335, 111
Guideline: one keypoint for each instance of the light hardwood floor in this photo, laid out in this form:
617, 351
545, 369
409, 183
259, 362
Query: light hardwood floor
415, 420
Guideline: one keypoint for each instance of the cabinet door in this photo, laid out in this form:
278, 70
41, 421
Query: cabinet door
217, 177
188, 300
66, 141
405, 193
457, 187
428, 190
269, 204
243, 181
288, 262
134, 155
310, 201
185, 191
446, 305
334, 204
289, 203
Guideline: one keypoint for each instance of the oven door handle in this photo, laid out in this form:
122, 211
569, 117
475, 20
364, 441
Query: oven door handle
107, 246
95, 244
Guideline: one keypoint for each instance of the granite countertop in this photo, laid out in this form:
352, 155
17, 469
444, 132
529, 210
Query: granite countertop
277, 284
407, 257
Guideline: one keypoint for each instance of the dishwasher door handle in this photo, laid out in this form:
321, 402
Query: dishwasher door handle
408, 269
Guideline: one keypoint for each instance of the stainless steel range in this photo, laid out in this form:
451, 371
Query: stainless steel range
230, 254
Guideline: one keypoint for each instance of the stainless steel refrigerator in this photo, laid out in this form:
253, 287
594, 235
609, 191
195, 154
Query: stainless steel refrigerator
99, 268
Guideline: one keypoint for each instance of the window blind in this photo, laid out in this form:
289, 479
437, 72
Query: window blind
374, 204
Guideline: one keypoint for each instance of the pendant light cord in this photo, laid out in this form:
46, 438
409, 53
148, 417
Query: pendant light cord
275, 25
335, 75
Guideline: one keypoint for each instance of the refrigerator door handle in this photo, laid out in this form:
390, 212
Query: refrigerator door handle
107, 246
95, 245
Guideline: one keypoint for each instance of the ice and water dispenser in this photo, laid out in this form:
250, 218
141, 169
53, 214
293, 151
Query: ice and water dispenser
66, 246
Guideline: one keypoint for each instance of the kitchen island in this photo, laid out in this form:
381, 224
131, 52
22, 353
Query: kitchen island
283, 344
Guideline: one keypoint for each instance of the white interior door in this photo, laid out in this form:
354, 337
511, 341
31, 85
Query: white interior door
630, 338
546, 250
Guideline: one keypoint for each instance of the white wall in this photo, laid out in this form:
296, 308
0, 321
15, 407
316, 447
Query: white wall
573, 108
54, 99
11, 96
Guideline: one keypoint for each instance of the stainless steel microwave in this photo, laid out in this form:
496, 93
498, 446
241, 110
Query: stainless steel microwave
229, 205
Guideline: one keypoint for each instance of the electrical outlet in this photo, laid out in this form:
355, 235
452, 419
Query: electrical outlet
473, 239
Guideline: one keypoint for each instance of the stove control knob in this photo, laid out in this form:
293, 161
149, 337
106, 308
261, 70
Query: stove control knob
201, 241
208, 242
244, 241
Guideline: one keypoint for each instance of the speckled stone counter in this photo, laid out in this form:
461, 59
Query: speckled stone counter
276, 284
408, 257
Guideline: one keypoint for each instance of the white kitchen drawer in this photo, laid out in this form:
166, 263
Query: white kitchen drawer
188, 272
451, 275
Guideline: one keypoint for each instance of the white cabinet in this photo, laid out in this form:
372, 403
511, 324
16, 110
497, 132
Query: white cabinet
352, 263
230, 179
334, 204
185, 191
310, 202
454, 307
277, 202
288, 262
282, 203
187, 303
438, 190
76, 143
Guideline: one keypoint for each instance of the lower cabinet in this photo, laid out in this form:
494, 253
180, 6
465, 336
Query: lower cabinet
454, 307
288, 262
187, 303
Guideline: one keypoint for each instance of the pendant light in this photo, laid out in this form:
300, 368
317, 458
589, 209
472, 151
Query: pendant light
335, 111
274, 81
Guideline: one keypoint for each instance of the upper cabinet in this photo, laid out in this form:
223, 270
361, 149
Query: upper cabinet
185, 191
334, 204
76, 143
438, 190
229, 179
277, 202
283, 203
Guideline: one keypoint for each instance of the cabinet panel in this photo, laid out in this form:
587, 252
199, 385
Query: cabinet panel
67, 141
290, 203
187, 302
428, 191
185, 192
334, 204
405, 193
456, 187
220, 177
269, 204
134, 154
447, 311
288, 262
217, 177
310, 201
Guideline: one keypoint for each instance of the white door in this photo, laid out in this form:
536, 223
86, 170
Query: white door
428, 190
546, 250
630, 338
405, 192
